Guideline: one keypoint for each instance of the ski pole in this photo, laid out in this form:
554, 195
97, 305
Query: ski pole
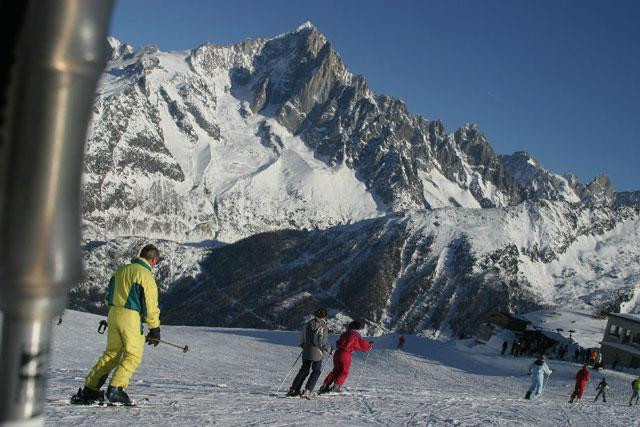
364, 365
184, 349
102, 327
288, 373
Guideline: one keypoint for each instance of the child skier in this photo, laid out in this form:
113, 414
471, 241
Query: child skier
314, 342
348, 342
582, 378
538, 370
635, 386
602, 387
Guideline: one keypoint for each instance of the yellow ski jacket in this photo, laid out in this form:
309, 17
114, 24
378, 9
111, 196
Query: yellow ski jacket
134, 287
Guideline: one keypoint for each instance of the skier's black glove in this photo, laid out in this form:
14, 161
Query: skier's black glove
153, 337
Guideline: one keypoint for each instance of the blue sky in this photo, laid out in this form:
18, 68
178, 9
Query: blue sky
557, 78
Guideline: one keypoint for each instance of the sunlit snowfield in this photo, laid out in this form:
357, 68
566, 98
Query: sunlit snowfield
229, 375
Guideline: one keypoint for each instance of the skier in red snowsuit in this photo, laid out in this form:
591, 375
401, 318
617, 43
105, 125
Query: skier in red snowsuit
348, 342
400, 342
582, 378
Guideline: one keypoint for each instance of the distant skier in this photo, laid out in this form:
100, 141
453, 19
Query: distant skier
538, 370
348, 342
400, 342
504, 347
314, 340
599, 362
582, 378
635, 387
132, 298
602, 387
518, 348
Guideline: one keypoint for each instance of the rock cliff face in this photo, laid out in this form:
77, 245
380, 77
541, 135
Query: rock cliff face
274, 179
541, 184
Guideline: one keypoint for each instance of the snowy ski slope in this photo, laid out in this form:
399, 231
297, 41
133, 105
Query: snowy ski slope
228, 376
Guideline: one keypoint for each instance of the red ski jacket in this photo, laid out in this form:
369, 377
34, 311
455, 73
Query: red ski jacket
582, 376
351, 341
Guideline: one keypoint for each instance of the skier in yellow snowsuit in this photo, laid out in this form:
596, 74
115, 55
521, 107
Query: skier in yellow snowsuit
132, 298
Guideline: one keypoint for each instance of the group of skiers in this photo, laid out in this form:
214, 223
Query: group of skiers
524, 347
314, 341
132, 298
539, 370
530, 347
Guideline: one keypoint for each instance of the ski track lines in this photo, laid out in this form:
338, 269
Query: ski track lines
229, 375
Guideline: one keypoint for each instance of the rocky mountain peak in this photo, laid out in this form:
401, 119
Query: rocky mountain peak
168, 122
117, 49
539, 183
483, 160
600, 191
307, 25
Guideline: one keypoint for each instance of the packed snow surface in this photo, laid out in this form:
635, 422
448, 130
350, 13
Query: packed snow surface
229, 375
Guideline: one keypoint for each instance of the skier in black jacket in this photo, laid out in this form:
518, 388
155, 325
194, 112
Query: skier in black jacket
602, 387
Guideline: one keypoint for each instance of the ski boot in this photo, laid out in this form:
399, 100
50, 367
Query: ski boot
87, 396
528, 395
335, 389
293, 393
323, 389
309, 395
117, 396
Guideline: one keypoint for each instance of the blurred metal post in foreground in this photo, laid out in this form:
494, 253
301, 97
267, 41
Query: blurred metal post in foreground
52, 57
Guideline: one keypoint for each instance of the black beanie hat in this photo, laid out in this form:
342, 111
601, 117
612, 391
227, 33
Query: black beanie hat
355, 325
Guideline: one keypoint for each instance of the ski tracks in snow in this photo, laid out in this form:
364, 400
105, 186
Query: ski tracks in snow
229, 375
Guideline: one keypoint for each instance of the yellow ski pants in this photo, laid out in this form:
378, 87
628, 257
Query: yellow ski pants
125, 347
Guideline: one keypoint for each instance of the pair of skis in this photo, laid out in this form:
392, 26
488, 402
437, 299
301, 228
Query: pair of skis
100, 403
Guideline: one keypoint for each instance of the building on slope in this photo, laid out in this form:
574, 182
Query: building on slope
621, 341
549, 331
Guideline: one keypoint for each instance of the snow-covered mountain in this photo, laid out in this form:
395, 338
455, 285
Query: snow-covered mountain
540, 183
398, 221
222, 142
443, 270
